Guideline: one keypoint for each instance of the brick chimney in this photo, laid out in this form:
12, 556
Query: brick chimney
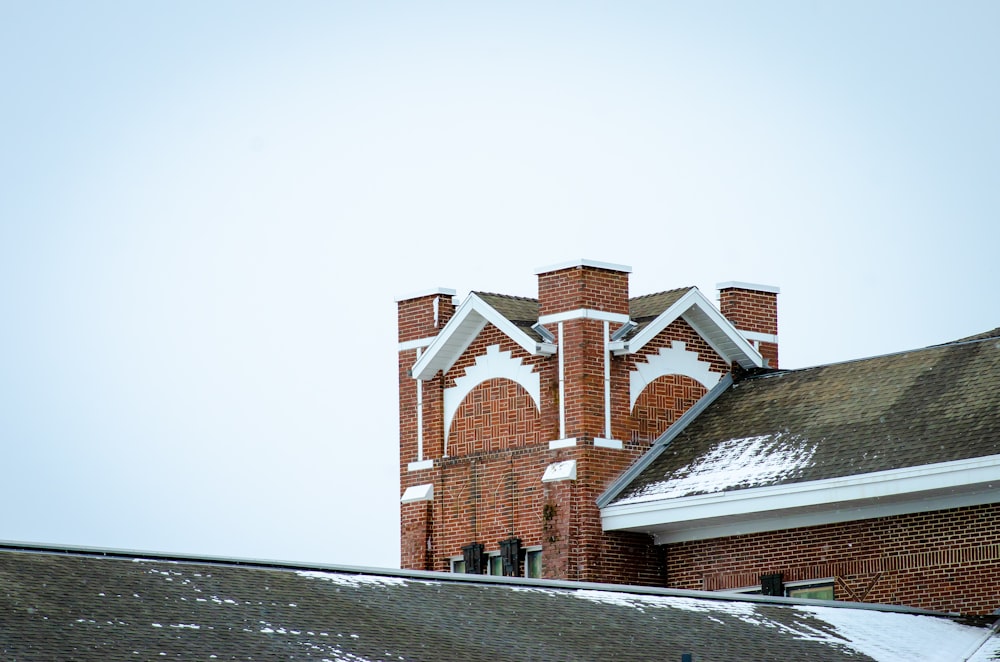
420, 317
576, 299
753, 310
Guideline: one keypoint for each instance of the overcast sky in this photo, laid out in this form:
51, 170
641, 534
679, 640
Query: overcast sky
207, 209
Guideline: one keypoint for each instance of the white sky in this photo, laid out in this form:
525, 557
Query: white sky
207, 209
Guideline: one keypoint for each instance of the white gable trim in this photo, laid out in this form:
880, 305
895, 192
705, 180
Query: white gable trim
471, 318
676, 360
494, 365
707, 322
849, 498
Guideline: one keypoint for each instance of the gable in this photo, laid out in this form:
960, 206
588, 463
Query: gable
691, 306
467, 322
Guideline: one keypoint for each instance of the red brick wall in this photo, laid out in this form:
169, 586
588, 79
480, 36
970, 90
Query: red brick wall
946, 560
583, 287
753, 310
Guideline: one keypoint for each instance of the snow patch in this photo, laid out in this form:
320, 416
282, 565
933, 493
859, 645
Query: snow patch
915, 638
352, 580
733, 464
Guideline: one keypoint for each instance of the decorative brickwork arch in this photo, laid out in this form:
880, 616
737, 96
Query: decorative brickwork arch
495, 364
673, 360
661, 403
497, 415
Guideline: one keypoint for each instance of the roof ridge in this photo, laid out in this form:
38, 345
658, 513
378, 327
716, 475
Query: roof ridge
505, 296
661, 292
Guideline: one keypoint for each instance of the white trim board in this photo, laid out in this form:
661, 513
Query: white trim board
753, 510
461, 330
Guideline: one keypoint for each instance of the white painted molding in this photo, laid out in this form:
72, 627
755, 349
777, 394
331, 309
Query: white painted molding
600, 442
675, 360
419, 343
462, 329
556, 444
755, 287
495, 364
583, 314
848, 498
560, 471
422, 464
418, 493
755, 336
583, 262
445, 291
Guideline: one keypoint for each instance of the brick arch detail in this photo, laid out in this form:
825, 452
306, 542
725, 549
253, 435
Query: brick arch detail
661, 404
495, 364
496, 416
673, 360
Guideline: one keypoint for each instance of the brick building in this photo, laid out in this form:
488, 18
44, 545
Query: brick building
652, 440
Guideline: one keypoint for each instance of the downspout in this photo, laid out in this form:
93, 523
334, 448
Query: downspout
562, 387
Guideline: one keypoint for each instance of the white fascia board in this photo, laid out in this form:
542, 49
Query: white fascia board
583, 262
671, 517
707, 321
470, 318
721, 335
583, 314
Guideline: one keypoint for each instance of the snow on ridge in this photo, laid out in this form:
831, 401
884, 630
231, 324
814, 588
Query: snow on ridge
733, 464
351, 580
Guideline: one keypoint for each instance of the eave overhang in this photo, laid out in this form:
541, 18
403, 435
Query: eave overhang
695, 309
456, 336
879, 494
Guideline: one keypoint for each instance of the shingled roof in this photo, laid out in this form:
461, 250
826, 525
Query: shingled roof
936, 406
102, 605
644, 309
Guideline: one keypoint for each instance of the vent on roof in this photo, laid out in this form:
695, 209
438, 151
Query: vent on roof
473, 556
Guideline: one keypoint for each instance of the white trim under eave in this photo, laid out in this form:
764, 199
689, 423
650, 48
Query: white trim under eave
849, 498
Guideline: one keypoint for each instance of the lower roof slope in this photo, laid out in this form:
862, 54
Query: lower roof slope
86, 606
911, 409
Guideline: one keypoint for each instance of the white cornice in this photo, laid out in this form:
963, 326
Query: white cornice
583, 262
456, 336
583, 314
754, 287
760, 337
441, 291
848, 498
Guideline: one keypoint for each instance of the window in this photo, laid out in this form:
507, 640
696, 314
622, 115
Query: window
533, 562
458, 564
813, 589
816, 591
494, 564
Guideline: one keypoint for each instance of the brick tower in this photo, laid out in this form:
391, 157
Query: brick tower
516, 413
